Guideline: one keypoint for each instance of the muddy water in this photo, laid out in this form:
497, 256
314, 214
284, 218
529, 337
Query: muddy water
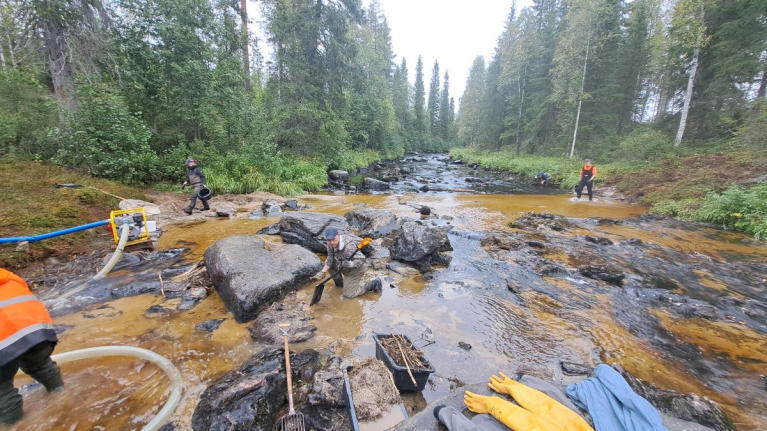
466, 302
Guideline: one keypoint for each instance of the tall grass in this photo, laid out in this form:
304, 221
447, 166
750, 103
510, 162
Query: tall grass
737, 208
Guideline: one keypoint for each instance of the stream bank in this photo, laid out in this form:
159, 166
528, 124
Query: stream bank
679, 305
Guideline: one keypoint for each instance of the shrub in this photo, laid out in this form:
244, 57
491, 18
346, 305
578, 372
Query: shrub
26, 114
644, 145
106, 139
738, 208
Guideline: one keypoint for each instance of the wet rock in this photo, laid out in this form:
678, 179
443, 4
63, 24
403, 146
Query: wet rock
291, 204
502, 241
373, 223
513, 286
328, 386
464, 346
374, 185
249, 398
704, 311
249, 276
272, 229
608, 273
688, 407
192, 297
304, 364
651, 216
405, 171
573, 369
402, 269
457, 162
424, 188
424, 210
209, 325
421, 246
541, 222
338, 175
266, 326
600, 240
271, 208
256, 215
156, 311
225, 210
304, 229
535, 244
633, 241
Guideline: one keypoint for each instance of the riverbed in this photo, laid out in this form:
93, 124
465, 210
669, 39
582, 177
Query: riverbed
557, 316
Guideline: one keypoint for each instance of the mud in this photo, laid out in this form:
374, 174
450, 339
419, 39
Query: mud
373, 389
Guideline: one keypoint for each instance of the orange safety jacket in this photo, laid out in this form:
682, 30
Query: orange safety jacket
24, 321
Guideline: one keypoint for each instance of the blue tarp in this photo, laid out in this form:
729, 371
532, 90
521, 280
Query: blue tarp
613, 405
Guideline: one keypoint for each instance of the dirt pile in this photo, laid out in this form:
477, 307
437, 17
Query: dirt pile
373, 389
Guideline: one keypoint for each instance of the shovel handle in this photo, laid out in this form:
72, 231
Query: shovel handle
290, 376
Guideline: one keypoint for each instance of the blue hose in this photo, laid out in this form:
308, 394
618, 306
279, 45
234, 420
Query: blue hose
53, 234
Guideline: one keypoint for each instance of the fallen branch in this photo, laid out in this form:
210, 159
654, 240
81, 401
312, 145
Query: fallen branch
410, 373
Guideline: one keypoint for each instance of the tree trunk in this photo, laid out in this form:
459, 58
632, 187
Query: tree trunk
2, 57
580, 102
763, 86
690, 80
59, 63
522, 85
245, 42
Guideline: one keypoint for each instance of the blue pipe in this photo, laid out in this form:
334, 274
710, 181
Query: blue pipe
53, 234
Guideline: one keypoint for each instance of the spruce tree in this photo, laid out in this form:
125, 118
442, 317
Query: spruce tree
434, 104
445, 115
419, 99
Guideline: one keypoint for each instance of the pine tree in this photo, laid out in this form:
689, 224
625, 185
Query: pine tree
419, 98
445, 115
434, 103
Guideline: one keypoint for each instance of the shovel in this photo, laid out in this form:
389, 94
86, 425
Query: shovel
292, 421
317, 295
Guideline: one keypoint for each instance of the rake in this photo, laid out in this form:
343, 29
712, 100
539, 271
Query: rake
292, 421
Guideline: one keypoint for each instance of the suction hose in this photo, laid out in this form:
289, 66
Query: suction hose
124, 231
160, 361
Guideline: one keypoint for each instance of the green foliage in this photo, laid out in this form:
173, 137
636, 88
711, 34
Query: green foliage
737, 208
642, 144
26, 114
108, 141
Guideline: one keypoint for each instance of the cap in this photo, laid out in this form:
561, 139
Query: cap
330, 233
188, 161
586, 160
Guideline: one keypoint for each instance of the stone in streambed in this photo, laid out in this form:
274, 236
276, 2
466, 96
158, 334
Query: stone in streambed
608, 273
373, 223
338, 175
266, 326
599, 240
271, 208
209, 325
272, 229
573, 369
305, 229
374, 184
421, 246
249, 276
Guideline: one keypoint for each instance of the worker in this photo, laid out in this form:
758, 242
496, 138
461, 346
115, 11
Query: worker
27, 340
353, 277
195, 178
543, 178
588, 175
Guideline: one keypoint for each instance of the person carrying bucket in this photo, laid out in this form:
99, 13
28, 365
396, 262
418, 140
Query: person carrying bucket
196, 178
588, 174
27, 339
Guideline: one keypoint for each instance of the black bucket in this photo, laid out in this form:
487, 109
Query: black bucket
204, 193
401, 377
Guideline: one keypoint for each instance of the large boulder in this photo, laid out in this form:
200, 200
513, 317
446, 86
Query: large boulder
375, 185
249, 276
421, 246
338, 175
304, 229
249, 398
266, 327
373, 223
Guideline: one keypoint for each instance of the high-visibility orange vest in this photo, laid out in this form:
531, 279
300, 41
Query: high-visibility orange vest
24, 321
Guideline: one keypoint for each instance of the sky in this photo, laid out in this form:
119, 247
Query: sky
453, 32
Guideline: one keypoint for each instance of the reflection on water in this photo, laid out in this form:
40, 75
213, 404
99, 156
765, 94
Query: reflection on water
464, 303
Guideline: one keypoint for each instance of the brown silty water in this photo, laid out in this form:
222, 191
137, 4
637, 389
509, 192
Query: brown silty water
530, 331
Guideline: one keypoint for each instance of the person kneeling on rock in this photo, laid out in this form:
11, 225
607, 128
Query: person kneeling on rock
353, 277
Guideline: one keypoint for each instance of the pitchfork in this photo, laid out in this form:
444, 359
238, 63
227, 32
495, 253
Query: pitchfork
292, 421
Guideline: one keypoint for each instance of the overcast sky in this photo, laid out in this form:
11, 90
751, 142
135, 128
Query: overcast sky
452, 32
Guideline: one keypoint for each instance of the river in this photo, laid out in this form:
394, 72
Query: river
646, 325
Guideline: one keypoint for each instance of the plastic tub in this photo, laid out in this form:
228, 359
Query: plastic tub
401, 377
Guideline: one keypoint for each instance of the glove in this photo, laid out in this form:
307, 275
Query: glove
509, 414
183, 186
538, 403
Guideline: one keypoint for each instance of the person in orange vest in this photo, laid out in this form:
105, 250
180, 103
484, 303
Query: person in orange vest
588, 174
27, 340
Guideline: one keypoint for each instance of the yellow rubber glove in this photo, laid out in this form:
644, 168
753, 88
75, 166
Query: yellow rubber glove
539, 404
509, 414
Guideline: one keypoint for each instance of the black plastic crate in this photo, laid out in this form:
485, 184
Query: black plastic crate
401, 377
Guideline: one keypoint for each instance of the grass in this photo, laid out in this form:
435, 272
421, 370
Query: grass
32, 205
728, 189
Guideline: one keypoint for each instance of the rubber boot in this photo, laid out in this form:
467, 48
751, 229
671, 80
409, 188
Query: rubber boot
11, 407
46, 372
188, 211
205, 206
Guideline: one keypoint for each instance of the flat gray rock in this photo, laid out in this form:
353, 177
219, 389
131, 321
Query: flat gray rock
249, 276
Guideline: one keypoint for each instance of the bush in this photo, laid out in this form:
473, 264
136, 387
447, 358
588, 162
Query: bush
644, 145
737, 208
26, 115
107, 140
